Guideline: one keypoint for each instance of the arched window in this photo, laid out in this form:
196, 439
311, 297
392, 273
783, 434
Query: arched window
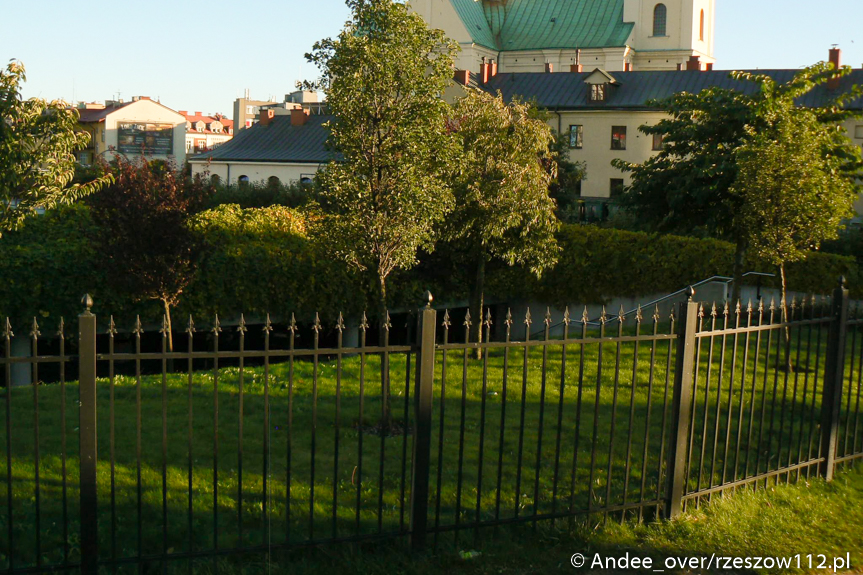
701, 27
215, 179
660, 18
273, 182
243, 180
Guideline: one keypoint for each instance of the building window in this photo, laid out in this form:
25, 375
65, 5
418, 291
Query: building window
701, 27
658, 142
597, 92
243, 180
273, 182
858, 132
215, 179
618, 137
576, 136
616, 187
660, 18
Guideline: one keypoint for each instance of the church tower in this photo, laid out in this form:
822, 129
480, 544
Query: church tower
669, 33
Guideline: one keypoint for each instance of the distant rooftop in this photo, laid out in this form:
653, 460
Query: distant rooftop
277, 142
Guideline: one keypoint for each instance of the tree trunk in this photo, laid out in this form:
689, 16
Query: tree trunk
477, 300
739, 256
383, 337
789, 367
168, 334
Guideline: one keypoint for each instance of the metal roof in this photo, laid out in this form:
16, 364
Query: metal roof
277, 142
565, 90
545, 24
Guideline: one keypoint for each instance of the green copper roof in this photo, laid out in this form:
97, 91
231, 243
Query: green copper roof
544, 24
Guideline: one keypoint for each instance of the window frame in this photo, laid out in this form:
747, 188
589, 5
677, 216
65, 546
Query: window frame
618, 143
661, 145
660, 17
615, 184
598, 92
576, 130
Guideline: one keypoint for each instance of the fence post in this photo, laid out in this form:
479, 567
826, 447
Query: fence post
834, 376
681, 405
425, 363
87, 443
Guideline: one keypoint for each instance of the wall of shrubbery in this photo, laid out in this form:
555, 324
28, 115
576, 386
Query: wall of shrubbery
262, 260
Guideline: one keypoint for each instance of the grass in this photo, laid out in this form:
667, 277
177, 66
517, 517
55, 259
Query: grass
612, 425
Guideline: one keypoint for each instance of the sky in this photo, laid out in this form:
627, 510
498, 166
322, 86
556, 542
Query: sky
200, 55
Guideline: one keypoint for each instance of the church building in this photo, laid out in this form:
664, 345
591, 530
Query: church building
560, 35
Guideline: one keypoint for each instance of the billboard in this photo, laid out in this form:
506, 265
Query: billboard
146, 138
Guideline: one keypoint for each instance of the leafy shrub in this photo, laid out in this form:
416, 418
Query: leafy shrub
260, 260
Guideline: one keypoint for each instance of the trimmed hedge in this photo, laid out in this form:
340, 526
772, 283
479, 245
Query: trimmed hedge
596, 263
261, 260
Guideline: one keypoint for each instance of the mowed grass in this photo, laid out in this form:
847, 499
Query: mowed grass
544, 439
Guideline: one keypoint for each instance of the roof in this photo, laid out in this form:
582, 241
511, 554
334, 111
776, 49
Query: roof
87, 116
545, 24
564, 90
277, 142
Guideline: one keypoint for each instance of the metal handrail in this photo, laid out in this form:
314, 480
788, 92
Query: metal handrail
711, 279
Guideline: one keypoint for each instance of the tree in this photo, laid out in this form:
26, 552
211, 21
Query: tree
565, 188
37, 144
383, 77
149, 250
686, 187
797, 175
501, 184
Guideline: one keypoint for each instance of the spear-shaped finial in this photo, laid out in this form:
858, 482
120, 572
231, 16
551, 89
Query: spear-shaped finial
508, 320
164, 329
241, 328
190, 328
656, 313
547, 320
317, 325
603, 318
585, 317
268, 325
387, 323
61, 331
112, 327
639, 316
34, 329
138, 330
566, 317
217, 326
340, 323
467, 322
527, 319
7, 332
446, 321
487, 321
364, 322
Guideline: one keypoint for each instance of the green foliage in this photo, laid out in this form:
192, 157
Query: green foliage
47, 265
383, 77
261, 195
37, 144
260, 260
500, 182
797, 177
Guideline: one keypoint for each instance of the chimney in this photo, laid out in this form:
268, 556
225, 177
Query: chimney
575, 68
549, 67
484, 71
836, 60
709, 67
679, 67
694, 63
298, 117
627, 67
183, 112
267, 117
462, 77
493, 68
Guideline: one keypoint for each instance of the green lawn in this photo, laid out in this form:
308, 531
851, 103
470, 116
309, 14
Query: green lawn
474, 389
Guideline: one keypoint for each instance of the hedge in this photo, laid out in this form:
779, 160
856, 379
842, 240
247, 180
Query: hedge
261, 260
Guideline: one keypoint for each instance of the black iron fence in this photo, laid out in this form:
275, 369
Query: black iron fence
207, 448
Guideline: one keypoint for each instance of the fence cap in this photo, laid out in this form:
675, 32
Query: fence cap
843, 282
690, 293
428, 298
87, 302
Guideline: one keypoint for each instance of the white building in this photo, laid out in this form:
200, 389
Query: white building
140, 127
560, 35
278, 148
204, 132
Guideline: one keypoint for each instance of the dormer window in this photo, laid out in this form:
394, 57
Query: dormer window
200, 126
597, 93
